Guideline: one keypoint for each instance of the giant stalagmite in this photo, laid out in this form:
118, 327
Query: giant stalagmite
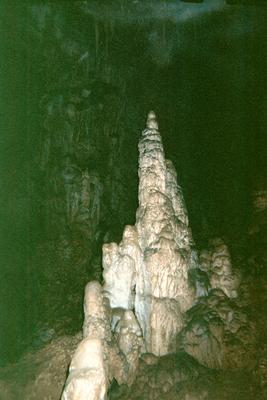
162, 290
146, 290
148, 271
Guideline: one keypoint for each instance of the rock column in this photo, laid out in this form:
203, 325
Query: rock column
162, 290
146, 291
148, 271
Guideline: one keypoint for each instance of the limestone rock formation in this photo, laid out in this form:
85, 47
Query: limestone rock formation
102, 356
87, 376
89, 371
96, 313
146, 289
148, 271
130, 342
119, 272
216, 261
158, 296
180, 376
218, 333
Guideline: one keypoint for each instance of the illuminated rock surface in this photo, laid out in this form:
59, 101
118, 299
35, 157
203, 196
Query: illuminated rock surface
158, 296
165, 318
87, 375
219, 334
217, 263
162, 287
148, 271
145, 277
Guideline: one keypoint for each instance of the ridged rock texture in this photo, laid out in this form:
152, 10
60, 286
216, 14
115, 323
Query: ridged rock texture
148, 271
217, 263
146, 285
158, 295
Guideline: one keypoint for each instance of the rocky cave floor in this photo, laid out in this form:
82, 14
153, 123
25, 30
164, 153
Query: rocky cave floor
41, 372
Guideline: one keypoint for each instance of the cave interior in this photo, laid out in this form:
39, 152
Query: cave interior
79, 79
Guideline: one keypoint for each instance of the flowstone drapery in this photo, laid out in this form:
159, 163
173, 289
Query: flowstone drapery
156, 297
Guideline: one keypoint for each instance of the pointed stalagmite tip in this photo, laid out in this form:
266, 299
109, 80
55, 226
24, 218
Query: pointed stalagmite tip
151, 121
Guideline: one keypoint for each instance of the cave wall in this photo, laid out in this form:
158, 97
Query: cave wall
86, 163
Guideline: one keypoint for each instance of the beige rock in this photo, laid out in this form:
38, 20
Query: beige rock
151, 121
88, 355
85, 385
162, 288
87, 375
119, 276
147, 272
218, 333
221, 273
130, 342
166, 322
97, 314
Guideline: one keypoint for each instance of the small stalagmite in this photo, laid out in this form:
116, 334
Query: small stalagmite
87, 378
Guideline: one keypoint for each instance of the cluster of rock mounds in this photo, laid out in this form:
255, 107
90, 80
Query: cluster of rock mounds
180, 376
219, 332
146, 289
103, 354
158, 295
